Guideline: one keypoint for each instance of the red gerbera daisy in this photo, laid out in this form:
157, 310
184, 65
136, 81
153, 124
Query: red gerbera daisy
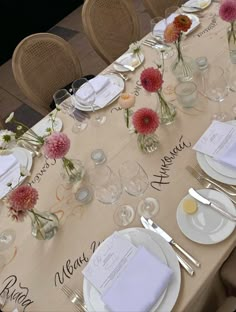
151, 79
145, 121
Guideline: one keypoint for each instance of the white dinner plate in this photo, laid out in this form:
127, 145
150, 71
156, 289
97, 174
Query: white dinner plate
207, 226
158, 246
202, 4
221, 168
41, 127
115, 80
130, 59
24, 158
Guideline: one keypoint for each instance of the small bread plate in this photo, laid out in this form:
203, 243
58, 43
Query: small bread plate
206, 226
195, 5
130, 59
115, 80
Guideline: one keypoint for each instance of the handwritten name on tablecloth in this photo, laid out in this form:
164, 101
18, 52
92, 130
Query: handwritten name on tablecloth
162, 177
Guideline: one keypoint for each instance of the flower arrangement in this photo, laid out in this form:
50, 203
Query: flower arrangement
56, 146
146, 121
227, 12
135, 49
152, 80
173, 34
126, 101
31, 136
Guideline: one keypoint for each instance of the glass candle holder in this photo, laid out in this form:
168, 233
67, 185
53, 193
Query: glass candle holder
98, 156
186, 93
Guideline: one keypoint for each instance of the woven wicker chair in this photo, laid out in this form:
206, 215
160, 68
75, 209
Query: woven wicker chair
110, 25
43, 63
158, 7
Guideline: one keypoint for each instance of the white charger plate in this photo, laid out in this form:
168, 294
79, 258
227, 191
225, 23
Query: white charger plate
158, 246
24, 158
41, 127
202, 4
207, 226
216, 170
130, 59
115, 80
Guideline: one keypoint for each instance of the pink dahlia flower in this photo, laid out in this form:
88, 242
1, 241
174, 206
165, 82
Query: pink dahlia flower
228, 10
151, 79
145, 121
56, 145
22, 198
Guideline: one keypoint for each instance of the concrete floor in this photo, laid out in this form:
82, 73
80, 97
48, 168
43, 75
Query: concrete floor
71, 29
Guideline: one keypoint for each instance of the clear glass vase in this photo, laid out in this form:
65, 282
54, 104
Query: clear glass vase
44, 224
166, 111
183, 68
231, 36
148, 143
127, 116
72, 170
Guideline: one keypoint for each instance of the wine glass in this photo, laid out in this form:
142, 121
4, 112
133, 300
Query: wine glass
108, 189
67, 104
157, 30
85, 95
216, 90
135, 182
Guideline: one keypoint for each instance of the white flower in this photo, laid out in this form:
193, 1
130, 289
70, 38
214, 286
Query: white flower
135, 47
7, 139
10, 117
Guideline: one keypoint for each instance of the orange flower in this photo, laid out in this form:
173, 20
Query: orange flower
182, 22
171, 33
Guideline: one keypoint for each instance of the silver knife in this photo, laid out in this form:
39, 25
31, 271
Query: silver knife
207, 202
170, 240
184, 264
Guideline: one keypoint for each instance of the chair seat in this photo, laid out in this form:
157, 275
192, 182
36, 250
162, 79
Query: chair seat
228, 274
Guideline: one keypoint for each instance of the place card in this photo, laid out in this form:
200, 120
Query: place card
109, 261
219, 142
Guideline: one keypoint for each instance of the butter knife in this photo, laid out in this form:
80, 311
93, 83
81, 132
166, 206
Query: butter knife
207, 202
184, 264
200, 177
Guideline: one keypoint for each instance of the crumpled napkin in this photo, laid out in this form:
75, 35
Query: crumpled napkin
140, 285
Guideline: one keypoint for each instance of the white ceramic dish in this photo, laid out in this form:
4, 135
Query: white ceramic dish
115, 80
202, 4
158, 246
24, 158
225, 170
206, 226
41, 127
129, 59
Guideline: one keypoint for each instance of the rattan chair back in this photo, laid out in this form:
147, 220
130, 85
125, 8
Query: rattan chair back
111, 26
158, 7
42, 63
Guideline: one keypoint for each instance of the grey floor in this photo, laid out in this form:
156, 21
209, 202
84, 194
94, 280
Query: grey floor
71, 29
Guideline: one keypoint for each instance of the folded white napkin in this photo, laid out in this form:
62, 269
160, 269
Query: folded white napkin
197, 3
99, 82
161, 26
140, 285
229, 157
6, 162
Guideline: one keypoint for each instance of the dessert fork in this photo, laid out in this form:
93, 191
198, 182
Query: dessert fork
75, 297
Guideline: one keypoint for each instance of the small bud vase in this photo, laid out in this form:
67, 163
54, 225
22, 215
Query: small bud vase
44, 224
72, 170
148, 143
127, 116
165, 110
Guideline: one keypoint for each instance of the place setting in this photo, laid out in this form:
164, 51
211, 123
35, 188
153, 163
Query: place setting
195, 5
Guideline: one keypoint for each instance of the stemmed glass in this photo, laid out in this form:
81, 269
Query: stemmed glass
217, 90
108, 189
67, 104
135, 182
157, 29
85, 95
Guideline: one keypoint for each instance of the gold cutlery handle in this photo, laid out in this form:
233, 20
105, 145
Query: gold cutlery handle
185, 265
187, 255
220, 187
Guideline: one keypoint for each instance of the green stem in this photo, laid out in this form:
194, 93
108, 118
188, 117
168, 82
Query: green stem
127, 117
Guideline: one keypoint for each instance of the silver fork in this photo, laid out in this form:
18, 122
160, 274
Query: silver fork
75, 298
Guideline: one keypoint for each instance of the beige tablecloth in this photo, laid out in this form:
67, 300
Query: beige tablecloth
37, 269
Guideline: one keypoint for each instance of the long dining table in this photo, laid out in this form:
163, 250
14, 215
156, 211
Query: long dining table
36, 270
